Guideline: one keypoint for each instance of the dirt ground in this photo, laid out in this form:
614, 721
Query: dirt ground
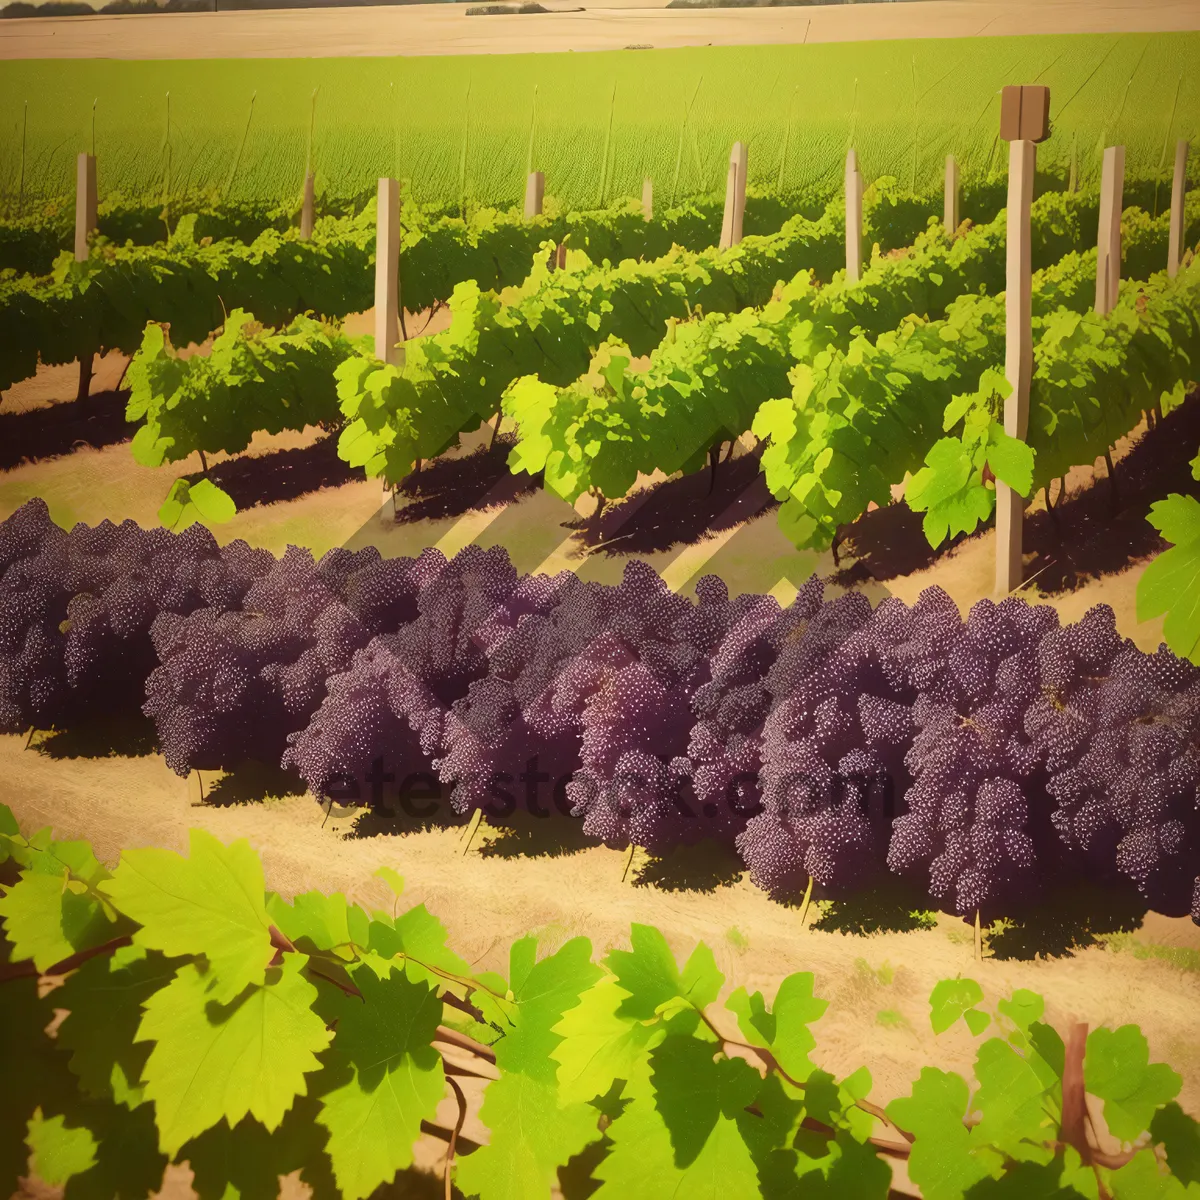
423, 29
1143, 968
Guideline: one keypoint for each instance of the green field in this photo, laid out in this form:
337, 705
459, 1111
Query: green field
468, 126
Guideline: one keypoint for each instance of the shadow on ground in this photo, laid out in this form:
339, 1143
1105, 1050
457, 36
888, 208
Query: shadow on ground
252, 782
257, 479
103, 735
60, 429
702, 867
680, 511
451, 487
1067, 920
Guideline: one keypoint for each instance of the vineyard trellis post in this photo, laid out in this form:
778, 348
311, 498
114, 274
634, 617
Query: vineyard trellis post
535, 193
1023, 123
735, 197
86, 204
648, 198
950, 200
1108, 235
306, 209
387, 280
1178, 187
854, 218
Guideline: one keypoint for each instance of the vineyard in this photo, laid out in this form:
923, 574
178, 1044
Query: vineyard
675, 587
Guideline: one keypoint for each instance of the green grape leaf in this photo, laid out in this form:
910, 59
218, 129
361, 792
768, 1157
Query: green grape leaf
321, 922
681, 1131
1143, 1178
599, 1045
418, 939
104, 999
188, 503
649, 973
1011, 460
1171, 583
383, 1079
785, 1029
847, 1170
1022, 1008
941, 1163
1177, 518
950, 999
392, 878
1117, 1069
1011, 1100
56, 1151
50, 917
1179, 1135
212, 1061
246, 1162
210, 903
128, 1164
976, 1021
542, 993
531, 1137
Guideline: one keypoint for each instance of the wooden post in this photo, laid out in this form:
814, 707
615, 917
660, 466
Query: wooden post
1178, 186
1018, 356
854, 221
735, 197
85, 204
306, 210
387, 272
1108, 234
648, 198
950, 203
535, 191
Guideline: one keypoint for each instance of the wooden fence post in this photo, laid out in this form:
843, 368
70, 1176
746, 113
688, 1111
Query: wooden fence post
1178, 186
387, 282
85, 204
306, 209
1018, 356
950, 203
648, 198
535, 191
735, 197
854, 218
1108, 235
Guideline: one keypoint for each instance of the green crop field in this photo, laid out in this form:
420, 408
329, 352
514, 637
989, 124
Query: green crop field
469, 127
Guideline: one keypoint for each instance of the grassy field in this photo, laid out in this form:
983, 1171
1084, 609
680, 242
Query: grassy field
595, 123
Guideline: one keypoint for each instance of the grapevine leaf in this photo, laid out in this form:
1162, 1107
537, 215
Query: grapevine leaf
392, 878
384, 1078
128, 1164
941, 1163
213, 505
950, 999
1177, 518
1010, 1098
683, 1137
847, 1170
103, 999
542, 993
1179, 1134
213, 1061
1022, 1008
1143, 1178
56, 1151
322, 922
531, 1137
49, 917
420, 938
1117, 1069
649, 973
1011, 460
976, 1021
598, 1044
946, 471
794, 1010
211, 903
246, 1162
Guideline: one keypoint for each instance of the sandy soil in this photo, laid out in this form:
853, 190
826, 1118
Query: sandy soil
445, 29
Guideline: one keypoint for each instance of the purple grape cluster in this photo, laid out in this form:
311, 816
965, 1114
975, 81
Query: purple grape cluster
231, 684
827, 740
392, 699
77, 609
1120, 732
